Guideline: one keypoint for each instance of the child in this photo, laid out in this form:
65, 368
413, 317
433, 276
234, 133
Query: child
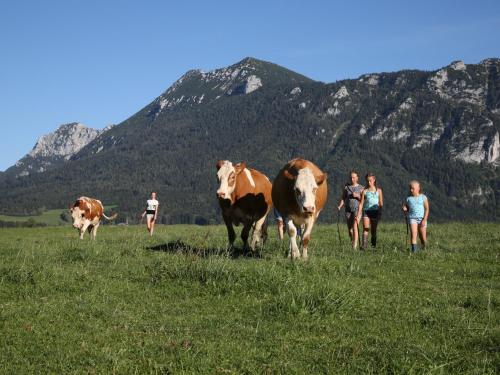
370, 205
351, 195
416, 208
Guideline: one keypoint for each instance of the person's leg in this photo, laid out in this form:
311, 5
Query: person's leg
422, 233
366, 230
353, 231
413, 231
280, 229
152, 226
374, 224
148, 223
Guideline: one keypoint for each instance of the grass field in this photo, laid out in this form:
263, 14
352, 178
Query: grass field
178, 303
49, 217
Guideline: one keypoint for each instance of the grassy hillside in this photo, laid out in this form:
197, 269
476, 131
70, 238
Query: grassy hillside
177, 303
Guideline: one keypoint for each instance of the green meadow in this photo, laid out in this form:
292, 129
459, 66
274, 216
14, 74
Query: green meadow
178, 302
49, 217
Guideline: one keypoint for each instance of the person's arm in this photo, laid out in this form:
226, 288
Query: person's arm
380, 203
341, 202
426, 211
156, 211
404, 207
360, 206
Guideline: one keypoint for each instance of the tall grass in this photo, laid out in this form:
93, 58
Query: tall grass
180, 302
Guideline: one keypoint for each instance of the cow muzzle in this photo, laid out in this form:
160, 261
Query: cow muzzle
221, 195
308, 209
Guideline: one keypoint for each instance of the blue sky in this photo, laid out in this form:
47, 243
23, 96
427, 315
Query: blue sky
99, 62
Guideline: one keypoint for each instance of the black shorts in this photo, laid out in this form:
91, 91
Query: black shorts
150, 212
372, 214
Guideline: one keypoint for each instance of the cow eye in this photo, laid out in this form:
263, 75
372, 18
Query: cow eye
297, 191
83, 215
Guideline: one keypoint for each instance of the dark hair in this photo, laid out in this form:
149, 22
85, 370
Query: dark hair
348, 183
370, 174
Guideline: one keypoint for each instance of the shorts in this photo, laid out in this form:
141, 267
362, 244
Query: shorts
418, 221
150, 214
372, 214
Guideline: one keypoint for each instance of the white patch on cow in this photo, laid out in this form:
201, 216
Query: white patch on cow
249, 176
223, 174
305, 190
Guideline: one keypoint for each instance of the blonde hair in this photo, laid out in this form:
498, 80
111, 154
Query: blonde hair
415, 182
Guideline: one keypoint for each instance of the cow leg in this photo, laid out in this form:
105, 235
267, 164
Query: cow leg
292, 233
244, 235
94, 231
257, 233
84, 228
230, 231
306, 236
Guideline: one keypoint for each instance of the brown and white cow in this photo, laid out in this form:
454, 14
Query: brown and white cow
245, 198
299, 194
86, 214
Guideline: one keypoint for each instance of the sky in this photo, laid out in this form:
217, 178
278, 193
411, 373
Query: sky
99, 62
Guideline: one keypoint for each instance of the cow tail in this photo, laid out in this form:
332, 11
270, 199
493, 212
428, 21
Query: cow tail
112, 217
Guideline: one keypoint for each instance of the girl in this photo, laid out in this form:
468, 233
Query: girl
370, 206
151, 212
416, 209
351, 195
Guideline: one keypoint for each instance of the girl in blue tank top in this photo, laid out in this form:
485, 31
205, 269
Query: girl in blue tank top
416, 209
370, 209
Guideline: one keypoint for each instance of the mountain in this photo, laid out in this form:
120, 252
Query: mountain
54, 149
441, 127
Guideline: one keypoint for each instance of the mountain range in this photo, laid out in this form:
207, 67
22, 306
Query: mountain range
441, 127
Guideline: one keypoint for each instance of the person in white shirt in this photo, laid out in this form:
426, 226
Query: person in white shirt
151, 212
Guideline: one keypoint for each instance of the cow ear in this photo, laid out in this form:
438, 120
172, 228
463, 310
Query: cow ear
239, 167
320, 179
289, 175
219, 164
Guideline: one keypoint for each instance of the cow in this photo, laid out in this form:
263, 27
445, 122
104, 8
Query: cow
86, 214
244, 197
299, 193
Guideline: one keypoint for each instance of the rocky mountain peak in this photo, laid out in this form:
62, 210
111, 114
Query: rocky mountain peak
56, 148
197, 87
67, 140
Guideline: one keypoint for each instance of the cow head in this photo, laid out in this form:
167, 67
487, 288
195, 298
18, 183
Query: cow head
305, 188
78, 212
226, 175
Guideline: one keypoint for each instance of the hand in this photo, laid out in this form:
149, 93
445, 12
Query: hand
356, 195
142, 215
338, 208
404, 208
423, 223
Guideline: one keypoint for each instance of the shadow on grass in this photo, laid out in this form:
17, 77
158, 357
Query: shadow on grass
203, 252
